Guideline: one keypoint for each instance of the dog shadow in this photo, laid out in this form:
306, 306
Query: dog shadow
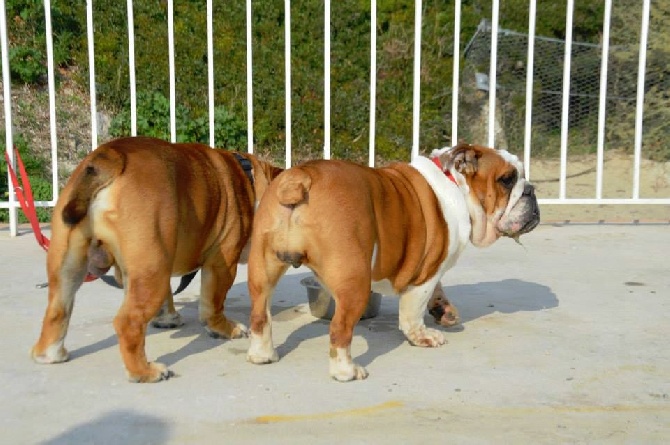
474, 301
506, 297
200, 341
381, 332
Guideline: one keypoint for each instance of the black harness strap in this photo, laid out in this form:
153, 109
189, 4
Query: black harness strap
246, 166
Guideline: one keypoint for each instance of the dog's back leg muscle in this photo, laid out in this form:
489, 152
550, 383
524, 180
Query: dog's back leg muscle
351, 291
144, 296
265, 270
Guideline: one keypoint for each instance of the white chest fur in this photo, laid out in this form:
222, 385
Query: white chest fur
455, 212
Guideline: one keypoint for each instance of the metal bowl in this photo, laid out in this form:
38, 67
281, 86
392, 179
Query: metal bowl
322, 304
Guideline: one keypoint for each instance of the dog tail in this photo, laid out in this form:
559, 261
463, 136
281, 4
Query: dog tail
97, 172
293, 186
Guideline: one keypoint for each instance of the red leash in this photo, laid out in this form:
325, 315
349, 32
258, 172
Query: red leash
24, 194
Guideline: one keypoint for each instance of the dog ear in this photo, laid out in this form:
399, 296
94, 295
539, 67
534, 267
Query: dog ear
463, 158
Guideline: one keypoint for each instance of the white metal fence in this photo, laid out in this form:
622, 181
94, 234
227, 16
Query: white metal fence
494, 67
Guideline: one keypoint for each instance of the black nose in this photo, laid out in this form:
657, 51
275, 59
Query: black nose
528, 190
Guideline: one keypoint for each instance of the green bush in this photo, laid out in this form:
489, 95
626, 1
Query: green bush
27, 32
26, 64
153, 119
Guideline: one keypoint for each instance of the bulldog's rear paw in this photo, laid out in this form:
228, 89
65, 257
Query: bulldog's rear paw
221, 327
240, 331
53, 354
262, 357
342, 368
426, 337
155, 373
347, 374
167, 320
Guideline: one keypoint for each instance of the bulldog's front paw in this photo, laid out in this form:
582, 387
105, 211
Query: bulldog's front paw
155, 372
426, 337
445, 314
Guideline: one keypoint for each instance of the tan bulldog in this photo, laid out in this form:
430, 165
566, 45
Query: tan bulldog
396, 230
154, 210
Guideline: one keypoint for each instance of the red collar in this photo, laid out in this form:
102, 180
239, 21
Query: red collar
447, 173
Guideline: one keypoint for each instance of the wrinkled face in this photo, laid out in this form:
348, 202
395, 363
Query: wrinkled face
500, 201
522, 213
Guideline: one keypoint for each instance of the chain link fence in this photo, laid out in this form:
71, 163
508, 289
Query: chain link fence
547, 94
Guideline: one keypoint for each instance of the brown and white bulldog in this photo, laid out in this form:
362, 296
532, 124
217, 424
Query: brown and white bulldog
396, 230
153, 210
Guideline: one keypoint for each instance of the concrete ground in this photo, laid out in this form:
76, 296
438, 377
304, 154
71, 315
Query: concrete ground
564, 340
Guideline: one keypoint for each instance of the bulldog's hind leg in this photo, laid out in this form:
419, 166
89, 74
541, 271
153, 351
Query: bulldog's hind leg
144, 296
167, 317
351, 294
264, 273
444, 313
350, 286
66, 269
411, 311
217, 278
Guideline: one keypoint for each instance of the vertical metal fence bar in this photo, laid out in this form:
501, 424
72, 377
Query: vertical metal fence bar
173, 96
639, 106
326, 80
91, 74
602, 100
493, 71
565, 112
250, 89
455, 80
52, 99
416, 120
530, 68
373, 82
287, 69
7, 96
131, 69
210, 71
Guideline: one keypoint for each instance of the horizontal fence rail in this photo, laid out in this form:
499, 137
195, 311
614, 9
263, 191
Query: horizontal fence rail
488, 42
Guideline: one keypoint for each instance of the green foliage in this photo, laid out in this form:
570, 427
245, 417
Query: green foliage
27, 32
153, 119
39, 181
26, 64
